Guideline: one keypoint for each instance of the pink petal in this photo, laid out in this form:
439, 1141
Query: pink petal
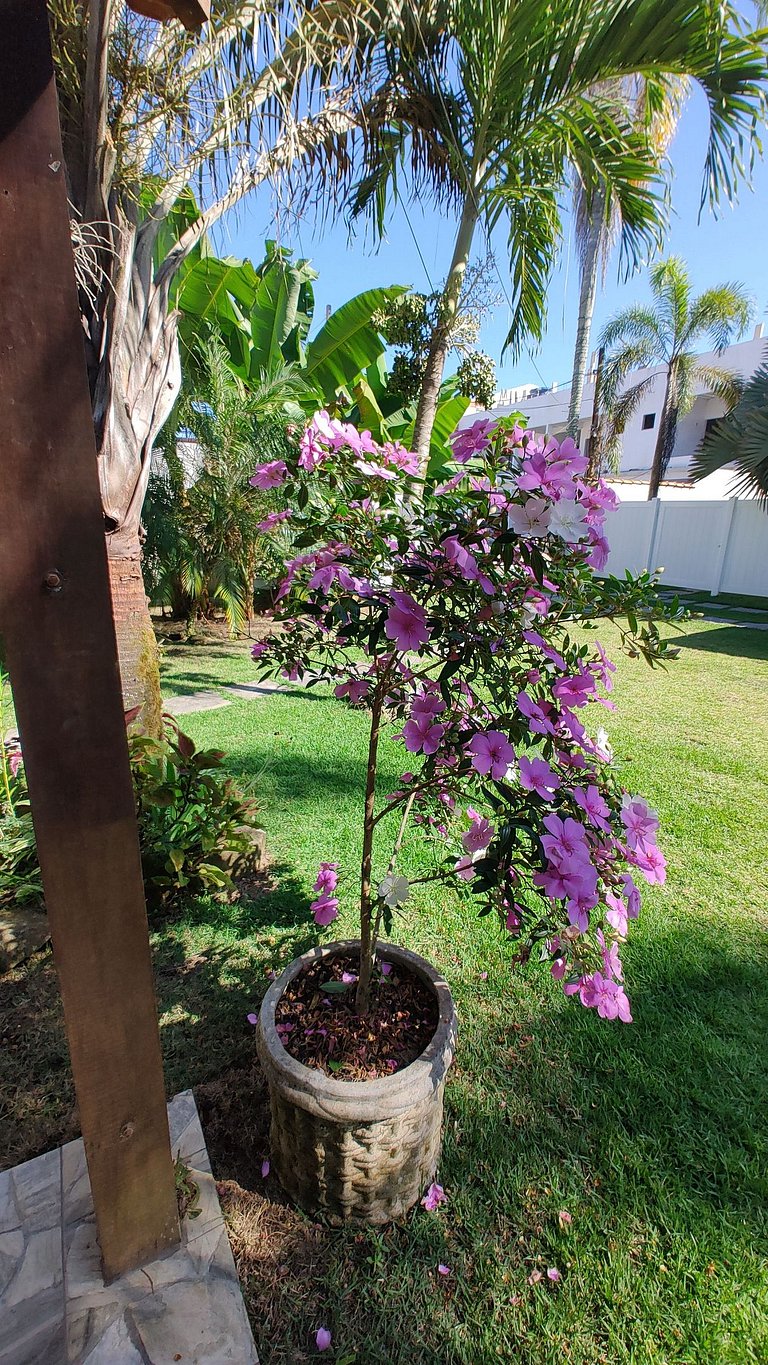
252, 1019
443, 1270
322, 1338
564, 1218
483, 976
265, 1168
553, 1274
386, 968
535, 1276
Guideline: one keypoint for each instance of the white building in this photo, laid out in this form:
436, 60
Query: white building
547, 412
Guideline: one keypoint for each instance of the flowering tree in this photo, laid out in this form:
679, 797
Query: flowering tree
449, 621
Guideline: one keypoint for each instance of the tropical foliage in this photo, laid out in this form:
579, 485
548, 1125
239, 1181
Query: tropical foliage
522, 102
666, 334
741, 439
448, 620
205, 543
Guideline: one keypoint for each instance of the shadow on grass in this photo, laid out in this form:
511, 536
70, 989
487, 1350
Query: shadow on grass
737, 641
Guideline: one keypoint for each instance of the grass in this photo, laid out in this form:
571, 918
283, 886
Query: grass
653, 1137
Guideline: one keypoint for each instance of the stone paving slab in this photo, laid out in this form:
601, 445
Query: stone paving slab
54, 1306
194, 701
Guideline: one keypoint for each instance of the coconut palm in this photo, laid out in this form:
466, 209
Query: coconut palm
522, 99
741, 439
597, 222
667, 334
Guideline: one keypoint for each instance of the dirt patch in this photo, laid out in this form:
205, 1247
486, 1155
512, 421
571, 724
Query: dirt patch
318, 1025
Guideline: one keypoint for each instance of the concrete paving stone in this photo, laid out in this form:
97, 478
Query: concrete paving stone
195, 701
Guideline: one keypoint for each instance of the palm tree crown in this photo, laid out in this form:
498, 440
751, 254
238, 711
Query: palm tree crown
667, 333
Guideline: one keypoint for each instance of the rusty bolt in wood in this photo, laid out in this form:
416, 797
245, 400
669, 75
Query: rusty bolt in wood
52, 581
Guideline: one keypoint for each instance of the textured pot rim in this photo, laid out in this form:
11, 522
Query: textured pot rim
402, 1089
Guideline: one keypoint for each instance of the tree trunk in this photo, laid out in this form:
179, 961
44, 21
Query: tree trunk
667, 426
134, 392
136, 643
590, 265
438, 349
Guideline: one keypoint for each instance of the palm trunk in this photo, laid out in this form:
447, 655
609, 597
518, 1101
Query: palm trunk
661, 452
590, 265
134, 389
438, 349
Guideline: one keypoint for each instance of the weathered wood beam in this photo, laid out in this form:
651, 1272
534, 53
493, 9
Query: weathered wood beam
56, 624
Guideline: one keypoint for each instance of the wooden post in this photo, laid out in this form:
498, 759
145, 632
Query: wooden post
56, 623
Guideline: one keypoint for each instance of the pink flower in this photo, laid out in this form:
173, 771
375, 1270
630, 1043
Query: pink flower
607, 997
553, 1274
327, 878
616, 914
640, 822
323, 1338
434, 1197
15, 761
491, 753
479, 835
325, 909
265, 1168
650, 861
269, 475
261, 647
565, 1218
535, 714
594, 807
537, 776
274, 519
354, 690
472, 440
253, 1019
406, 623
530, 518
443, 1270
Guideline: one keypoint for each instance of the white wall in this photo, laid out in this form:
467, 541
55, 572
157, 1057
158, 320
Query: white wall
712, 546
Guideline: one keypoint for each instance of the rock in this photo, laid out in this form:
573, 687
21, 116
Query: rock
243, 863
23, 931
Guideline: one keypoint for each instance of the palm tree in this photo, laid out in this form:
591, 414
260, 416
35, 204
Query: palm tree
666, 334
597, 223
204, 544
522, 98
148, 111
741, 438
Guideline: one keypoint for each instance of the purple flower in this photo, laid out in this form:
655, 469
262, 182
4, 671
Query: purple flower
553, 1274
354, 690
327, 878
537, 776
536, 714
640, 822
443, 1270
274, 519
434, 1197
491, 753
479, 834
325, 909
265, 1168
594, 807
269, 475
472, 440
406, 623
253, 1019
607, 997
650, 861
323, 1338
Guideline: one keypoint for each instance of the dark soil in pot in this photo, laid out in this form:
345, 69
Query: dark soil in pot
318, 1025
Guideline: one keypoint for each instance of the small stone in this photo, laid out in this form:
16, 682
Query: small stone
22, 932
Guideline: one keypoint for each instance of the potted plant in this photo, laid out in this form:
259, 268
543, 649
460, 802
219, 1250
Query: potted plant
446, 614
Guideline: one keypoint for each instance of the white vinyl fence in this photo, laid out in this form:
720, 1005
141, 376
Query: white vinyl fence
711, 546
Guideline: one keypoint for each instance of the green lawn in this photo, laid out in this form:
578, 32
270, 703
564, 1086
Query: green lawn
653, 1137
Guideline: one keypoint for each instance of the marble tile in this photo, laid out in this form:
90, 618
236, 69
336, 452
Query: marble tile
54, 1306
37, 1191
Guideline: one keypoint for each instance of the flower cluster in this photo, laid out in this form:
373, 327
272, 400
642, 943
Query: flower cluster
446, 613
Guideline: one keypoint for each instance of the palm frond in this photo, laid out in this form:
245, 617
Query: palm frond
741, 439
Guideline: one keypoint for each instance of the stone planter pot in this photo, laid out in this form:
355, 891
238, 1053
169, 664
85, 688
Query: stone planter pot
358, 1150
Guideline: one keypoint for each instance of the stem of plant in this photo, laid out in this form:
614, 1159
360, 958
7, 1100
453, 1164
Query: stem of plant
367, 940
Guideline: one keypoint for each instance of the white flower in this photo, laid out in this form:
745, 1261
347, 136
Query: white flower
394, 891
530, 518
567, 520
602, 745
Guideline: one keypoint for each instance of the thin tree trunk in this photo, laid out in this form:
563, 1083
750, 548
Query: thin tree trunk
660, 457
590, 266
596, 434
367, 945
136, 643
438, 349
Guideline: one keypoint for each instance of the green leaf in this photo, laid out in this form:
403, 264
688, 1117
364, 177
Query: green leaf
335, 987
348, 342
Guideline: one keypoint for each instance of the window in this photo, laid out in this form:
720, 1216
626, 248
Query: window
649, 421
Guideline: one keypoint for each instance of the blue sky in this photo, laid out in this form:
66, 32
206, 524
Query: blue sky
726, 247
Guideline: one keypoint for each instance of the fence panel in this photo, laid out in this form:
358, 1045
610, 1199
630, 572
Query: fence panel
710, 546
